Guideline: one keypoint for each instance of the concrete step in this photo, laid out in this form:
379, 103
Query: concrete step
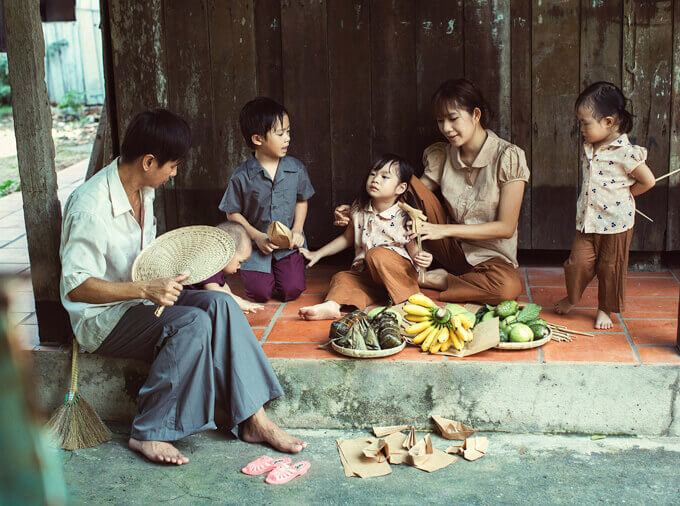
346, 394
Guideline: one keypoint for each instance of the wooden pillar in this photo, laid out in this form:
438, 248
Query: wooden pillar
35, 151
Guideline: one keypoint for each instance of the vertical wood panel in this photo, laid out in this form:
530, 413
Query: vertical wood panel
306, 84
554, 145
268, 40
190, 95
520, 104
487, 56
673, 223
647, 45
350, 96
145, 53
393, 77
440, 55
601, 32
233, 65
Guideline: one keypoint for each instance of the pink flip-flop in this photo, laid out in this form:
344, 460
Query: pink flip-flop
264, 464
286, 472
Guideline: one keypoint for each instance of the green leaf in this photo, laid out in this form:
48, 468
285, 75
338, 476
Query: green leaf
528, 313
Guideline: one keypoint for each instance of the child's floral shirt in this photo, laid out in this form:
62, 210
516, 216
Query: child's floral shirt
372, 229
605, 205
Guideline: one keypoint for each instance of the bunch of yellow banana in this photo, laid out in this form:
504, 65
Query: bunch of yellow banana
435, 328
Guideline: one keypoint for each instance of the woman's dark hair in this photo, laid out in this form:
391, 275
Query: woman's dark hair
258, 117
606, 99
461, 94
160, 133
404, 173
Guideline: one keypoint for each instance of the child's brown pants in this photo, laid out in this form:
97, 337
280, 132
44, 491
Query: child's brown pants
604, 255
385, 270
489, 282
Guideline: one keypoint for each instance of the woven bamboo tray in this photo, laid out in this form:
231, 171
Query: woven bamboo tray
525, 346
368, 353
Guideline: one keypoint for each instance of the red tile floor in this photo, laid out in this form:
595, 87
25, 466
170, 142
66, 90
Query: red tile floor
645, 333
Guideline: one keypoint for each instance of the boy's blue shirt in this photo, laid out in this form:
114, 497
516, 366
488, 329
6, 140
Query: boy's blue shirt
261, 201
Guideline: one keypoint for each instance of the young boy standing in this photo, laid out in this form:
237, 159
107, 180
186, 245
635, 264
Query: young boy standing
269, 186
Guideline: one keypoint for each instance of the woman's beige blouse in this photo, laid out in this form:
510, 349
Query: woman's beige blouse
498, 163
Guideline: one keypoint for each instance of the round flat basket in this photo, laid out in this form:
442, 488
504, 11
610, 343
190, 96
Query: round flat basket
199, 251
368, 353
525, 346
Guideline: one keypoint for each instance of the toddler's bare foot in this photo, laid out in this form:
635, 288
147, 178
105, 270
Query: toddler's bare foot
436, 279
562, 306
603, 321
158, 451
329, 310
260, 429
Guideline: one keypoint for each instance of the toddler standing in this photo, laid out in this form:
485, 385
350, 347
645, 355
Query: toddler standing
269, 186
613, 173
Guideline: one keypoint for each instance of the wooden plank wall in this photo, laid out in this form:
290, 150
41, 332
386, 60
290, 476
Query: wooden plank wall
357, 77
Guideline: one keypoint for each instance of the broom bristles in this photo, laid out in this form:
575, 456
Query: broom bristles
77, 425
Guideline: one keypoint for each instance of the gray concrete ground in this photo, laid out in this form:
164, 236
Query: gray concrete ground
519, 468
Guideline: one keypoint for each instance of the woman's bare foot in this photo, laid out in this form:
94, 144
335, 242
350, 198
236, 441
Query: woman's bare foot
562, 306
603, 321
260, 429
436, 279
329, 310
158, 451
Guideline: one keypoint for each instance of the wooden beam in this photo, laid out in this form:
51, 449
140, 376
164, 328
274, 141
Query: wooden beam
35, 152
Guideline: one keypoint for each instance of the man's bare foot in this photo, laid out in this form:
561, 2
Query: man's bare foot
260, 429
436, 279
603, 321
563, 306
329, 310
158, 451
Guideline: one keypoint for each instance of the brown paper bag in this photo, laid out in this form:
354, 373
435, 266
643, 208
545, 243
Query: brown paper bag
280, 235
452, 429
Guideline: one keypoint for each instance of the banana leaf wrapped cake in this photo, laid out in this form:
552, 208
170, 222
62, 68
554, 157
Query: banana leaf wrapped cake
359, 331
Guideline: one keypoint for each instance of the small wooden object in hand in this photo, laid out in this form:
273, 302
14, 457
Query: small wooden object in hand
417, 219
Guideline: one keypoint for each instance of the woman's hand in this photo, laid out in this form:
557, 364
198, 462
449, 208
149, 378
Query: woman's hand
164, 292
431, 232
341, 215
423, 259
312, 256
264, 244
298, 240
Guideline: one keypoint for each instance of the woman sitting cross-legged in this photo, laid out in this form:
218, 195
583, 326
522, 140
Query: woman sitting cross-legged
473, 233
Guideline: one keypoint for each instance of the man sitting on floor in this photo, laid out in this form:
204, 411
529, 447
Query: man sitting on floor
201, 349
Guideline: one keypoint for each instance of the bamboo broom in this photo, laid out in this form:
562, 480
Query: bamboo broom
75, 424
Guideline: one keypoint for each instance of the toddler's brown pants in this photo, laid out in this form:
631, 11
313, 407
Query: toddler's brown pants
604, 255
386, 271
489, 282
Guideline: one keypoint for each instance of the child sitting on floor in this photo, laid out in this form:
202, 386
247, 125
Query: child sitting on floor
614, 171
385, 259
242, 250
269, 186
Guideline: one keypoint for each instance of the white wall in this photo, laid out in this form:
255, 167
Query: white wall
73, 55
